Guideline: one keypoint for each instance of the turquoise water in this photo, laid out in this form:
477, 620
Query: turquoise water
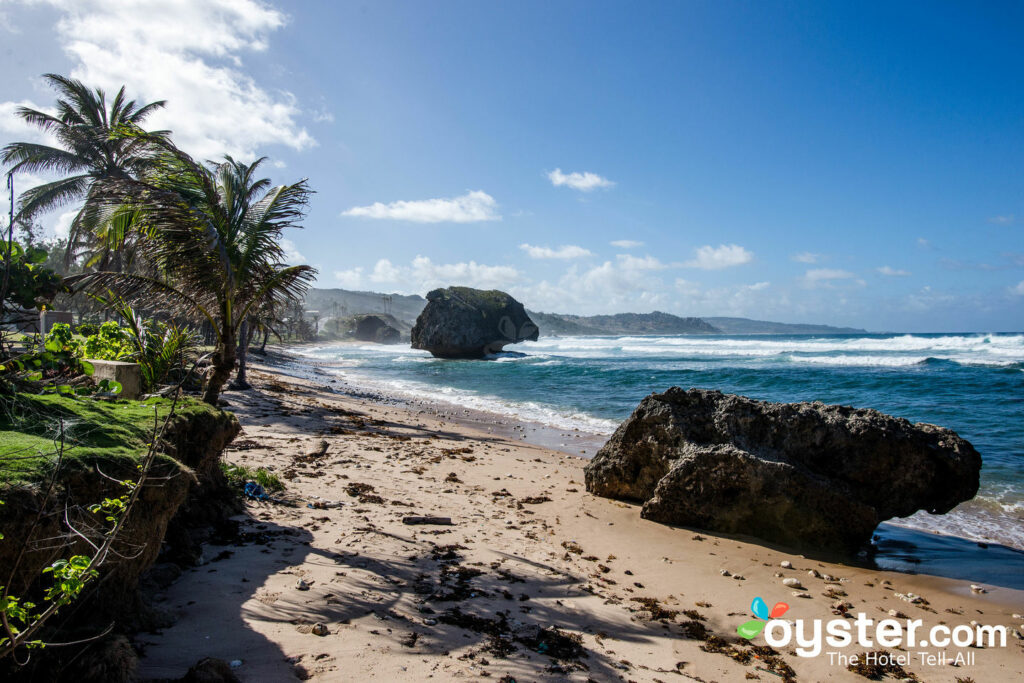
973, 384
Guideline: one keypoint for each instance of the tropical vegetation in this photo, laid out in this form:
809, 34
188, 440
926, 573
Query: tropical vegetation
179, 251
170, 263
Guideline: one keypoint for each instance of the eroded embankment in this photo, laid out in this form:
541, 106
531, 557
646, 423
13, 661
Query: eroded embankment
98, 445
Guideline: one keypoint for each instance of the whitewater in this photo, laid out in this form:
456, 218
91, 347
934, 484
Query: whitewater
971, 383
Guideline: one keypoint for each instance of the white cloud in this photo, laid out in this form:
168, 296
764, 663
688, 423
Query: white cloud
61, 228
323, 115
722, 256
469, 208
630, 262
385, 271
188, 52
349, 279
471, 274
831, 278
1019, 289
923, 243
626, 244
422, 275
892, 272
806, 257
928, 299
1002, 220
15, 128
627, 283
729, 300
584, 182
822, 274
292, 255
568, 251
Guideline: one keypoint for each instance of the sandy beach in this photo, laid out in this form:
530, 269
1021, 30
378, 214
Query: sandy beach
534, 580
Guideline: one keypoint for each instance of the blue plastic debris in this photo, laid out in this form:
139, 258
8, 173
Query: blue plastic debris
255, 491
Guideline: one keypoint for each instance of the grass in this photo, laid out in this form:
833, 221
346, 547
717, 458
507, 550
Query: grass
238, 475
95, 432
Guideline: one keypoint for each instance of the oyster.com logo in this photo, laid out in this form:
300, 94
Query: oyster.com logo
812, 636
750, 629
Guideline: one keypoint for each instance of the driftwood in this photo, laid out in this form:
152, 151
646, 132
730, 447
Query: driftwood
446, 521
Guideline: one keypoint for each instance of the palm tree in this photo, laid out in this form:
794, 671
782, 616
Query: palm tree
212, 232
90, 153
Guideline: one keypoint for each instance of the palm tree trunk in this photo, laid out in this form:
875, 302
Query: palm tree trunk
243, 353
223, 364
263, 346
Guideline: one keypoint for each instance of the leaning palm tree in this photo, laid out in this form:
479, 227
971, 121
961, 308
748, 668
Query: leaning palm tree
212, 232
88, 155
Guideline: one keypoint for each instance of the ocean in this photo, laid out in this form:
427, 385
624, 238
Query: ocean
971, 383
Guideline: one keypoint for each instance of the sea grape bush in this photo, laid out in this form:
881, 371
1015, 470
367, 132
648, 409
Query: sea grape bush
158, 347
111, 342
60, 339
88, 329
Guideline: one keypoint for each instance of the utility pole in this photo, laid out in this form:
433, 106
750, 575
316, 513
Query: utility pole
10, 244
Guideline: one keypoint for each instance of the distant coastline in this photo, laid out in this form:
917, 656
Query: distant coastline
331, 304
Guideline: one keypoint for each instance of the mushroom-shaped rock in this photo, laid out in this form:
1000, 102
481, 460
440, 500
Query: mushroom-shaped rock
461, 322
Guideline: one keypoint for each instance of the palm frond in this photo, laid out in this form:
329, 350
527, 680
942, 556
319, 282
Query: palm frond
133, 287
284, 285
30, 157
52, 195
140, 114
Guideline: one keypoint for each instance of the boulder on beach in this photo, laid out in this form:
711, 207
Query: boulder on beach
806, 475
461, 322
374, 328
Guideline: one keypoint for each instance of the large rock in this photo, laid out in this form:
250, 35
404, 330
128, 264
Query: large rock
460, 322
807, 475
374, 328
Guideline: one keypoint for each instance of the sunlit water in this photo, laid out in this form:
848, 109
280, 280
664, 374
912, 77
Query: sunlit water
973, 384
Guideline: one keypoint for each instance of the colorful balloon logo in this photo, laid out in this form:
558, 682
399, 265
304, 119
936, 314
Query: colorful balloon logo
759, 607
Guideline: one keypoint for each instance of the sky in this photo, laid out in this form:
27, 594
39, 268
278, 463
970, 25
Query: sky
844, 163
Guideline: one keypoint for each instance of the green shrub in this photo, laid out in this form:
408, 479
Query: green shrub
111, 342
61, 340
238, 475
88, 329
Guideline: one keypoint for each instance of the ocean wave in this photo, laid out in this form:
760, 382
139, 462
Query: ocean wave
970, 521
1010, 345
529, 411
881, 351
863, 361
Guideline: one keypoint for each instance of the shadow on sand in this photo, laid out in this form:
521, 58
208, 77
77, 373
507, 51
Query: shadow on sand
511, 617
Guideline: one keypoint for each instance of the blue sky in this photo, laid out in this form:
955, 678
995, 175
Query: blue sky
804, 162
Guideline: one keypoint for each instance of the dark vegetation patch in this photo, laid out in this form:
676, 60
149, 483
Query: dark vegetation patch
553, 642
694, 630
658, 612
879, 664
534, 500
356, 489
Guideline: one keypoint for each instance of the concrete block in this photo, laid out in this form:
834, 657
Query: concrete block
47, 319
129, 375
